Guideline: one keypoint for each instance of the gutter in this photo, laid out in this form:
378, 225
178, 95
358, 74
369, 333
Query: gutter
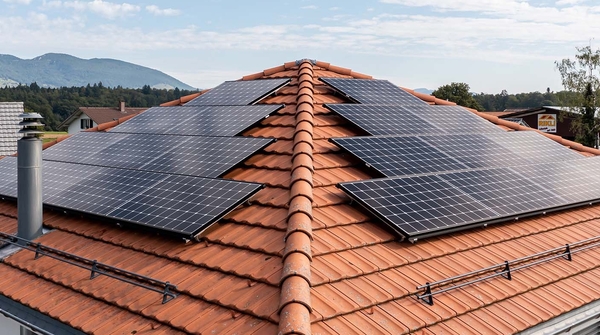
568, 323
34, 320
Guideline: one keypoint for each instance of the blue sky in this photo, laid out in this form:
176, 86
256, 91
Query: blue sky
490, 44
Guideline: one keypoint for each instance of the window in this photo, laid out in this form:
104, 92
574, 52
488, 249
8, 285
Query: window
86, 123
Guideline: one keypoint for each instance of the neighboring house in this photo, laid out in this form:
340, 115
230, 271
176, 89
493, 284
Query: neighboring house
9, 126
301, 257
554, 120
89, 117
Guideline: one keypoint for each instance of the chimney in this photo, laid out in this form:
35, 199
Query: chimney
122, 106
29, 177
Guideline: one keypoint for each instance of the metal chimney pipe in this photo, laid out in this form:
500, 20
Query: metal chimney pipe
29, 177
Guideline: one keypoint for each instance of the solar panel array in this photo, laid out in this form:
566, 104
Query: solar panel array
373, 92
447, 168
196, 120
421, 206
413, 119
160, 168
187, 155
238, 93
180, 204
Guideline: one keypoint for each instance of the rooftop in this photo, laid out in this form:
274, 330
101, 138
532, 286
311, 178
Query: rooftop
300, 257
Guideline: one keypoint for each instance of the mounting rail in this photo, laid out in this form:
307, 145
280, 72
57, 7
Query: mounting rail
505, 269
96, 268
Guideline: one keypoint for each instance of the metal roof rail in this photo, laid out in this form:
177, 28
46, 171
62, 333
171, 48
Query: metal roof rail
96, 268
505, 269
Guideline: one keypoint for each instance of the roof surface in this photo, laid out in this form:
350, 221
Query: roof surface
300, 258
9, 126
102, 114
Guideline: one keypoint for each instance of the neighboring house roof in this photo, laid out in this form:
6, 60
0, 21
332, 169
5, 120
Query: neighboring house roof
9, 126
102, 114
300, 257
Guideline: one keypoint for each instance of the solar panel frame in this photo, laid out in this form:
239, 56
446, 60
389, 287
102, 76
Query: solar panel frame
372, 91
120, 194
197, 120
239, 93
448, 203
201, 156
399, 155
384, 119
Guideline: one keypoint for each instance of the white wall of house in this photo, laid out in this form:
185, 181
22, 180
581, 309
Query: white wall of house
75, 126
8, 326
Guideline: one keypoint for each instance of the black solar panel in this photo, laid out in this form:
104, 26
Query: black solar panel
232, 93
197, 120
504, 191
8, 176
453, 119
384, 120
398, 156
417, 205
373, 92
475, 150
179, 204
534, 146
576, 181
189, 155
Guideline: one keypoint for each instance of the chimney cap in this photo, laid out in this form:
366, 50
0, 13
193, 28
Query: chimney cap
31, 125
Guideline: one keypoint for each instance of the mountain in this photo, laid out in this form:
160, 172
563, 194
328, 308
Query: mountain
423, 90
57, 70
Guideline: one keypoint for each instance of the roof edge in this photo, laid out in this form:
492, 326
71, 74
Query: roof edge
572, 320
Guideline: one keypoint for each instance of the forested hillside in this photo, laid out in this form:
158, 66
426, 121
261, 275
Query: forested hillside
503, 100
56, 104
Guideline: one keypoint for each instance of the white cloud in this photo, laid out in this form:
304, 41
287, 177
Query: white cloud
309, 7
568, 2
162, 12
20, 2
106, 9
334, 8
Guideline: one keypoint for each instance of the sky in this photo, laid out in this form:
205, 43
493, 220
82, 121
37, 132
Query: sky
491, 45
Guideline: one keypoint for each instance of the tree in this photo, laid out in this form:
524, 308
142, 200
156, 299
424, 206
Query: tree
578, 77
458, 93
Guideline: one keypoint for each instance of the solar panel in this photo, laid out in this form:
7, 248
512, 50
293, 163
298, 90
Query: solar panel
453, 119
384, 120
232, 93
416, 205
398, 156
575, 181
534, 146
505, 191
475, 150
179, 204
373, 92
196, 120
189, 155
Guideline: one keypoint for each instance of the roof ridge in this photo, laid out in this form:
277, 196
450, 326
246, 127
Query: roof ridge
294, 301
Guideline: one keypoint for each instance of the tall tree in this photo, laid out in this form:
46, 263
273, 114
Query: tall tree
580, 76
459, 93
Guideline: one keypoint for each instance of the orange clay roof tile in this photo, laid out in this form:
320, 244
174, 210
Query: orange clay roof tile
300, 257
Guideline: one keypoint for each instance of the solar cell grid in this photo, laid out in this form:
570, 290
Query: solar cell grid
231, 93
196, 120
534, 146
453, 119
504, 191
419, 204
190, 155
372, 91
384, 120
573, 181
398, 156
475, 150
181, 204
